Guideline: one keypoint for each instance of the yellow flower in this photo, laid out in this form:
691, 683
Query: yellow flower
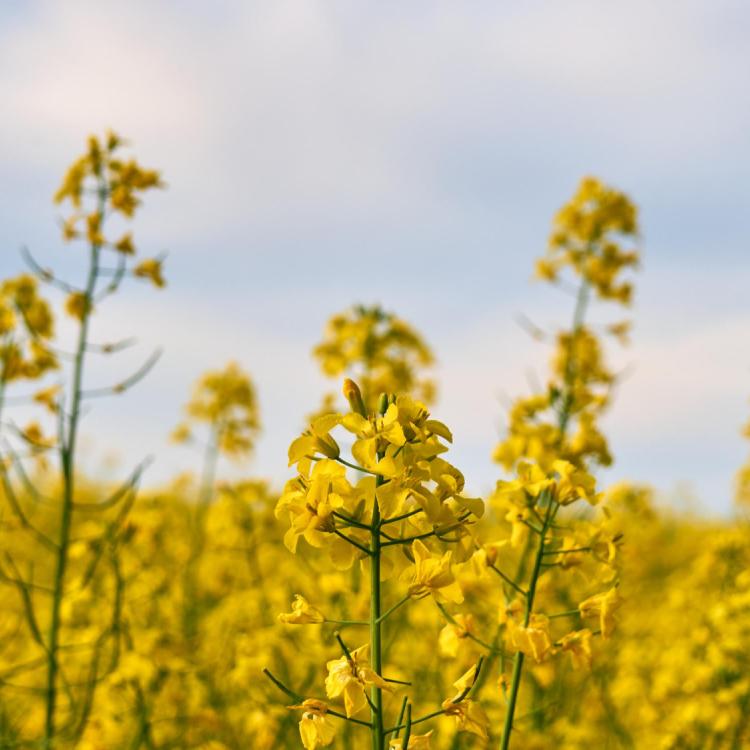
469, 716
316, 440
33, 435
302, 613
532, 640
125, 244
416, 742
151, 269
315, 728
604, 605
573, 484
433, 575
375, 435
386, 351
350, 677
48, 397
531, 482
453, 633
77, 305
94, 229
181, 434
70, 228
310, 503
466, 681
578, 645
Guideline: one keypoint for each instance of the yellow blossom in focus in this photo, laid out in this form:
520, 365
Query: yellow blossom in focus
350, 678
433, 575
315, 727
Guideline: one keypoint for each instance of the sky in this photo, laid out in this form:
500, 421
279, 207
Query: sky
320, 154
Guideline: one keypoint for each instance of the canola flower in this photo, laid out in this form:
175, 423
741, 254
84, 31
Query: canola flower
379, 351
97, 185
553, 442
406, 496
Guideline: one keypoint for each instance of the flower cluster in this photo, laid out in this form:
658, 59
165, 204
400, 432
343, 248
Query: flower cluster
408, 496
562, 421
383, 353
113, 187
26, 329
225, 400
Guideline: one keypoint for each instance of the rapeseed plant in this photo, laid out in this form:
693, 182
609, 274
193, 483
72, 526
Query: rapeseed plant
97, 186
406, 496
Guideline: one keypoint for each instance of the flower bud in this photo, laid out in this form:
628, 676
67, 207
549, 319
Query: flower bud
383, 403
328, 447
354, 396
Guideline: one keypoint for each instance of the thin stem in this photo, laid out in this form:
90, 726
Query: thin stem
508, 580
452, 620
566, 551
519, 657
569, 613
405, 540
347, 622
67, 459
402, 517
357, 467
401, 714
389, 612
361, 547
300, 698
350, 521
376, 696
407, 732
191, 607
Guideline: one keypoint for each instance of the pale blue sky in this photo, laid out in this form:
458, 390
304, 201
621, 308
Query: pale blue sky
325, 153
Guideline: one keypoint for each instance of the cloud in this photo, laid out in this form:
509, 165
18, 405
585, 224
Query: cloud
270, 112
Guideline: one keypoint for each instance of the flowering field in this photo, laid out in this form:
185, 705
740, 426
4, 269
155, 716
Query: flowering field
370, 602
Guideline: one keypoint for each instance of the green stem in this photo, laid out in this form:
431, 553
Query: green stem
208, 473
376, 696
565, 414
519, 657
579, 313
67, 457
390, 611
191, 611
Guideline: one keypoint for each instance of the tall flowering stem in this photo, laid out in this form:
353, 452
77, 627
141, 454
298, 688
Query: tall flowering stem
376, 717
224, 406
558, 430
407, 496
115, 186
